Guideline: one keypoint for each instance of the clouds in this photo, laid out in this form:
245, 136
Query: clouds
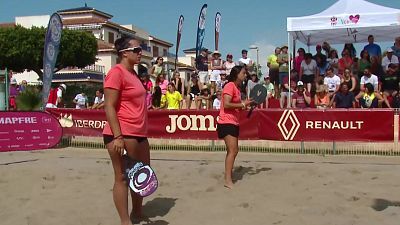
265, 49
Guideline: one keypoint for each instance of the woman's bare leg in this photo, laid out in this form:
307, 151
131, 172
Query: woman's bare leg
232, 149
120, 189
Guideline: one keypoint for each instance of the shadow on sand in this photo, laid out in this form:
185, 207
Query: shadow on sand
158, 207
239, 172
382, 204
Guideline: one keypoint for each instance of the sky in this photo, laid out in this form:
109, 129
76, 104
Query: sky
243, 23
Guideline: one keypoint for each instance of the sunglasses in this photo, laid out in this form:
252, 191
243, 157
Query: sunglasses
133, 49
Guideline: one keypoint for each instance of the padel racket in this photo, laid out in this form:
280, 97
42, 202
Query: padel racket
140, 176
258, 94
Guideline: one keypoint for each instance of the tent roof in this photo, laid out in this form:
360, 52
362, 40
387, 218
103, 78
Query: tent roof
347, 21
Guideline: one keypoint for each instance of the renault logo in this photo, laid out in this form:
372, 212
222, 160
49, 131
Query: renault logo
288, 116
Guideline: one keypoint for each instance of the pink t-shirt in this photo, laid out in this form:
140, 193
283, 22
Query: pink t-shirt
148, 85
230, 116
131, 107
163, 85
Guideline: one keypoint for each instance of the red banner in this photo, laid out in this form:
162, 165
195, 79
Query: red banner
23, 131
331, 125
286, 125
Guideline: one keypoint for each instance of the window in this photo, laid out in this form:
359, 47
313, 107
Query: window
165, 53
155, 51
111, 37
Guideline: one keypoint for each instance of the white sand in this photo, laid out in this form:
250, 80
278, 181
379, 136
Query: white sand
73, 186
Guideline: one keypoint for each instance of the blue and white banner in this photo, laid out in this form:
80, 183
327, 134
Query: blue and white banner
201, 29
51, 48
217, 29
178, 37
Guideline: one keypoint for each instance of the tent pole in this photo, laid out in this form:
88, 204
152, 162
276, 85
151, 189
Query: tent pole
289, 74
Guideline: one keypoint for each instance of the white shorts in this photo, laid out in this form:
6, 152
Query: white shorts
215, 75
203, 76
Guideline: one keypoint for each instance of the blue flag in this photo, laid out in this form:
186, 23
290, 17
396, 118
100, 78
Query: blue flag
51, 47
201, 29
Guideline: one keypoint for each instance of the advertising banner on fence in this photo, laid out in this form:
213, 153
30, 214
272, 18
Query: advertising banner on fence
22, 131
184, 124
283, 125
332, 125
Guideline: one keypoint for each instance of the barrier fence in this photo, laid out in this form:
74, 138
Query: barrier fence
272, 130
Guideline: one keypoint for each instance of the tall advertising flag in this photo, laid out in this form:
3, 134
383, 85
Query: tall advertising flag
178, 37
217, 29
201, 29
51, 47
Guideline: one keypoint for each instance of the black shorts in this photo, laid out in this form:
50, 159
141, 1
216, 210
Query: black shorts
109, 138
227, 129
274, 76
308, 79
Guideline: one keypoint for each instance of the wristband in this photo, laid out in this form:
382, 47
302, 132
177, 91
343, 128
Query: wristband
117, 137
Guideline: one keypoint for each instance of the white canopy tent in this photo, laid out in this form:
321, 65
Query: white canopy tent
346, 21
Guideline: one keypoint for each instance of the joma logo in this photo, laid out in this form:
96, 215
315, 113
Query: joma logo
192, 122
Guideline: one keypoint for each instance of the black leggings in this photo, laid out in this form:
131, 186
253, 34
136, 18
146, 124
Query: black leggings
109, 138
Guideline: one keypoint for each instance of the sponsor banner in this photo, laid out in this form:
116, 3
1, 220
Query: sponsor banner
331, 125
184, 124
217, 29
23, 131
201, 27
178, 38
51, 48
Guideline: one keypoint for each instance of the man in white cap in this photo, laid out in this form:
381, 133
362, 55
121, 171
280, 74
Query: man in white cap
301, 98
55, 96
390, 58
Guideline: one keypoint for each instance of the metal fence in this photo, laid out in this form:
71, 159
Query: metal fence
263, 146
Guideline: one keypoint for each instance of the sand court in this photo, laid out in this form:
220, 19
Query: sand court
73, 186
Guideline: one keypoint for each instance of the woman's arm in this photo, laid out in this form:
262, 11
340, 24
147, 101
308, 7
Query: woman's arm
111, 100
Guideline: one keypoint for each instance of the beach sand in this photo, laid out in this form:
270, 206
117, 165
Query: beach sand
74, 186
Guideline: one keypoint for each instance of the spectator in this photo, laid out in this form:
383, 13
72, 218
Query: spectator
299, 58
332, 81
344, 98
179, 84
346, 62
376, 67
301, 98
390, 83
14, 92
204, 99
81, 101
216, 68
283, 60
352, 50
174, 98
327, 48
372, 48
229, 64
396, 47
217, 101
55, 96
319, 53
202, 66
222, 82
369, 99
162, 83
390, 58
270, 89
245, 60
99, 99
322, 66
372, 79
285, 89
158, 68
251, 83
193, 90
273, 65
148, 85
23, 86
308, 71
350, 80
333, 60
363, 63
321, 99
158, 100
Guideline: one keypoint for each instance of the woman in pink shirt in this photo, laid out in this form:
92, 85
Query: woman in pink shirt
126, 112
162, 83
228, 122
